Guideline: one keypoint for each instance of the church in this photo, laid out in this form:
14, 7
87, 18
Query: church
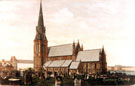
66, 58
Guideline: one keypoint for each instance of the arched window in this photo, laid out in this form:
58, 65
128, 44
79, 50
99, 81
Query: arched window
43, 48
37, 48
95, 65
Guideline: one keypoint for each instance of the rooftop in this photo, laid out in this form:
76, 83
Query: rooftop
74, 65
61, 50
88, 55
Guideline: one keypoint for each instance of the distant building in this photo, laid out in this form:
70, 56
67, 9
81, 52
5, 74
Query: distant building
12, 64
66, 58
121, 68
93, 61
40, 43
6, 66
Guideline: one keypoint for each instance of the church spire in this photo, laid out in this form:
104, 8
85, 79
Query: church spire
40, 43
40, 19
40, 29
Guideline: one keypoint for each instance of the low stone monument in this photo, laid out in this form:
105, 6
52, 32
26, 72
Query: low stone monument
58, 81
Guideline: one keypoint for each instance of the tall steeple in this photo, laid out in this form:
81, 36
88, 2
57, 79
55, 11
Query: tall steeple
40, 19
103, 59
40, 29
40, 43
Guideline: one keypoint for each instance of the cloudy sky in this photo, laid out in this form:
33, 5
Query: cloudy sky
93, 22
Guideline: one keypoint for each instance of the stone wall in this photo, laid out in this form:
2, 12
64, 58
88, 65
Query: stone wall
63, 70
61, 58
91, 67
40, 54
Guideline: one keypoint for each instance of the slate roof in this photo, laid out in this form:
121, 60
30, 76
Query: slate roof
74, 65
57, 63
47, 63
88, 55
66, 63
61, 50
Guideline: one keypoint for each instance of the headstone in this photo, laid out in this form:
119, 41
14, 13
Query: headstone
21, 73
58, 81
28, 78
77, 82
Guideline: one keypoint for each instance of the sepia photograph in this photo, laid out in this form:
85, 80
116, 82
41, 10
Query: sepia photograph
67, 42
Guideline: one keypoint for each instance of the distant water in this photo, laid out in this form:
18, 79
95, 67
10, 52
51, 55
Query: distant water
130, 72
126, 72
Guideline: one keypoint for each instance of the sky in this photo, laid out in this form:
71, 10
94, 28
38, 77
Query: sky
93, 22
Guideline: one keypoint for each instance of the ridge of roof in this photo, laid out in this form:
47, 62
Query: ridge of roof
61, 45
91, 49
59, 56
88, 55
61, 50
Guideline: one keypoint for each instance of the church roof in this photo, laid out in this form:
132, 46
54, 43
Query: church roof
58, 63
74, 65
61, 50
47, 63
66, 63
88, 55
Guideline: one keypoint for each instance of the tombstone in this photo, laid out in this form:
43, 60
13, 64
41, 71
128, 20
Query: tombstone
21, 73
58, 81
77, 82
27, 78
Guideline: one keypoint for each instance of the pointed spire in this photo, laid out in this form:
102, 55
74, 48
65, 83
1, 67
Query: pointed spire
74, 44
40, 29
40, 19
82, 47
78, 44
102, 48
103, 51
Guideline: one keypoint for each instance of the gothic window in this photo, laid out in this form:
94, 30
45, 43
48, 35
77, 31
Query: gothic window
95, 65
37, 48
43, 48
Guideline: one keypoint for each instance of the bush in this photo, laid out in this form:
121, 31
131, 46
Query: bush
80, 77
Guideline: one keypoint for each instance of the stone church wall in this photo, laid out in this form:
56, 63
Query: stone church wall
61, 58
91, 67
